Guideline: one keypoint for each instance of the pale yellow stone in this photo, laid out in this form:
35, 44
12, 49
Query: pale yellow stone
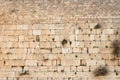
93, 50
108, 31
56, 50
31, 62
15, 63
36, 32
76, 49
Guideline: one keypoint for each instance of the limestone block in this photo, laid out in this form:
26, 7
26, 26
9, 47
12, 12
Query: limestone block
10, 78
79, 68
20, 50
52, 26
13, 38
45, 31
110, 63
32, 44
49, 38
17, 32
10, 27
56, 44
9, 33
26, 44
31, 62
103, 37
92, 37
66, 50
21, 38
33, 56
51, 56
73, 68
11, 74
35, 26
52, 32
92, 25
45, 51
44, 38
19, 27
94, 31
25, 27
57, 38
3, 76
76, 50
112, 37
108, 31
86, 37
58, 32
30, 32
86, 69
72, 37
76, 31
43, 26
91, 62
1, 38
88, 31
93, 50
47, 63
1, 63
105, 55
98, 31
80, 37
15, 63
1, 32
68, 62
106, 51
36, 32
56, 50
44, 68
101, 62
6, 38
18, 69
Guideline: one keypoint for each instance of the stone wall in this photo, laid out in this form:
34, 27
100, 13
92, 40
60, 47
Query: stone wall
58, 39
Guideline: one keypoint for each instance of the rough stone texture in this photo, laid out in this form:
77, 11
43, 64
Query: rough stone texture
31, 32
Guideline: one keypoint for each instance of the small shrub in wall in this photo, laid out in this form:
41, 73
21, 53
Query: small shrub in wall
100, 71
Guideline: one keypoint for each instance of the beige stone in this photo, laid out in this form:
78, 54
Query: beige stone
31, 62
31, 33
36, 32
15, 63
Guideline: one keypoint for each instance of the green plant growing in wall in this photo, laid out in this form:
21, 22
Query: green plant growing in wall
106, 46
97, 26
64, 41
100, 71
116, 48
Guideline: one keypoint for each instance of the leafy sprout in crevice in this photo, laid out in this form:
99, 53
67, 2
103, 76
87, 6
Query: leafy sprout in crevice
64, 41
116, 48
97, 26
100, 71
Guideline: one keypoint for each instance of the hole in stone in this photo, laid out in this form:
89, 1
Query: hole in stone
24, 73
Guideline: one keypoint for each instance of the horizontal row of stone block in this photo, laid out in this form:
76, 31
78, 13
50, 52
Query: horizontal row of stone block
58, 62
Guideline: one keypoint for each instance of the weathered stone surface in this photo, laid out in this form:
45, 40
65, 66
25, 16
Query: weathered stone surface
32, 31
